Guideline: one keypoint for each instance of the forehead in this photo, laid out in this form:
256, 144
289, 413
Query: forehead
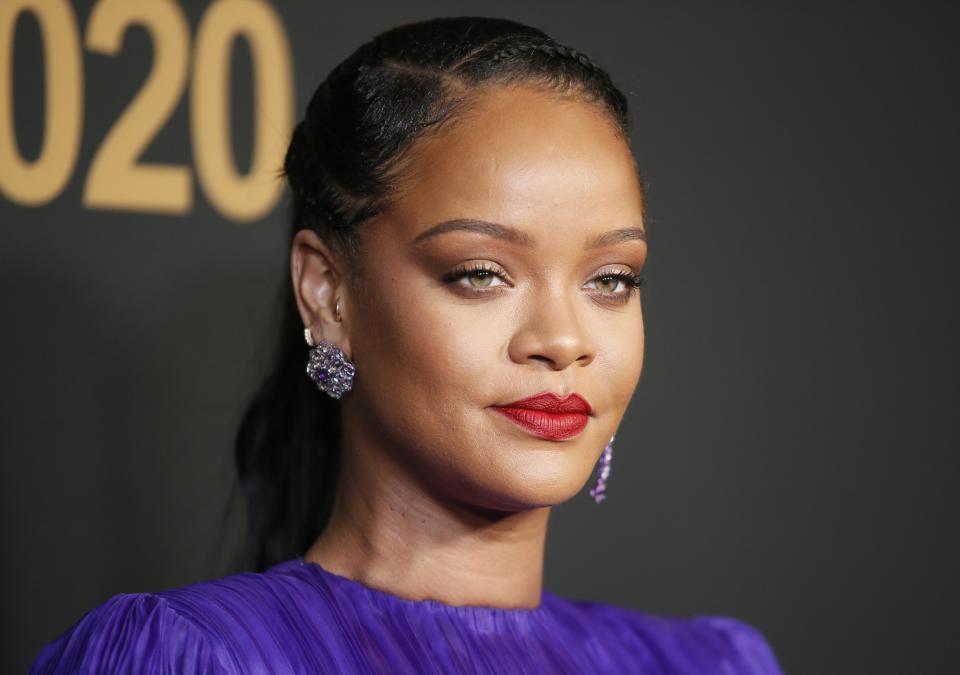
523, 156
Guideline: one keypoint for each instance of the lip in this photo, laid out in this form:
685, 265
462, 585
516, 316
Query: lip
548, 416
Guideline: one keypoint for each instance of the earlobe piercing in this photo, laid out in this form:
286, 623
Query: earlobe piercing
308, 336
328, 365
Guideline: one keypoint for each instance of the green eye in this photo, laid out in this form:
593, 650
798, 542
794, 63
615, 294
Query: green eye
631, 285
485, 277
610, 279
478, 277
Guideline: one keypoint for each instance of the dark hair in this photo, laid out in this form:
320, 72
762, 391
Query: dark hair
342, 166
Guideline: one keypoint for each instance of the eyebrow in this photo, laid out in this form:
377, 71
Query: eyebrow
515, 236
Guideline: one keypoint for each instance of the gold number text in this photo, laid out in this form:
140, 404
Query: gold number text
241, 198
116, 180
37, 182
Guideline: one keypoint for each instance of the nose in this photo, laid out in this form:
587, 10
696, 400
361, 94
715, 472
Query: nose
550, 332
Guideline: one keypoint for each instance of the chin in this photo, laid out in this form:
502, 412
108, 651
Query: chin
538, 485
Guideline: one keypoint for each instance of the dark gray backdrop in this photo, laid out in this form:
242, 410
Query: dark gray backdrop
790, 455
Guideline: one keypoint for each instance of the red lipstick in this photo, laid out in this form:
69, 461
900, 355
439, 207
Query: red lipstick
549, 416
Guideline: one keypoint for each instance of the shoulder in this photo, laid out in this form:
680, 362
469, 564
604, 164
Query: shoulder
243, 622
742, 643
701, 644
132, 633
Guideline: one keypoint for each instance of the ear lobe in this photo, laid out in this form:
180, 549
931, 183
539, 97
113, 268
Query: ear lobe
315, 272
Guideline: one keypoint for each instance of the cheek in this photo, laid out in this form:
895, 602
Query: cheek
428, 357
620, 359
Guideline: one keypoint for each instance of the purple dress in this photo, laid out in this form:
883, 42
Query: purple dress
298, 617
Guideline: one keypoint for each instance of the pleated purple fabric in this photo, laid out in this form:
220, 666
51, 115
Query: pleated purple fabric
298, 617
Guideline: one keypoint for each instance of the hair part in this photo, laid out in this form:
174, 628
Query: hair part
344, 166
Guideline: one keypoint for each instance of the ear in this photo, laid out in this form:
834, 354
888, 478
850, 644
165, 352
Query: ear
319, 278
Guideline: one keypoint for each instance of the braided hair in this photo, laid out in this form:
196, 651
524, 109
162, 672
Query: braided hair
342, 167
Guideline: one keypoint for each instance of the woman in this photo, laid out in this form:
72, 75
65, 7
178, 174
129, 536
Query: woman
466, 262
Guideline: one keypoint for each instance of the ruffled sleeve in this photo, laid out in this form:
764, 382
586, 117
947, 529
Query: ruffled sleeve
745, 649
133, 633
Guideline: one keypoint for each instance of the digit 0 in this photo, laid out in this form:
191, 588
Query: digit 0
239, 197
37, 182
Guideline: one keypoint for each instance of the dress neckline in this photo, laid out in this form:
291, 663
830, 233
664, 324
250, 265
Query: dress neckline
354, 587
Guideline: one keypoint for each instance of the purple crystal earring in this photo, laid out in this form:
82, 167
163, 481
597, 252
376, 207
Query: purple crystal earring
328, 366
599, 491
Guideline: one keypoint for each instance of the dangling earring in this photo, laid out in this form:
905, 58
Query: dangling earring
328, 366
599, 491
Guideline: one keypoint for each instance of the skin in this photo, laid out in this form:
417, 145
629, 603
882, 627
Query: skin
441, 497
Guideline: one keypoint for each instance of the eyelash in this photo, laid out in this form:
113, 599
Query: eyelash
633, 281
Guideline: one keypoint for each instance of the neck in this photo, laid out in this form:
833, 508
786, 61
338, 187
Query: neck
388, 532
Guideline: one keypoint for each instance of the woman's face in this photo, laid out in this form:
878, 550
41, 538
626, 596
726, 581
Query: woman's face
438, 345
